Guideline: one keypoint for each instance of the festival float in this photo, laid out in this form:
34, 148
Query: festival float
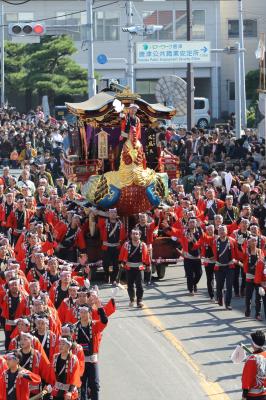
116, 169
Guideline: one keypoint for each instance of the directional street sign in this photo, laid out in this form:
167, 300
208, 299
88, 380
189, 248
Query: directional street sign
173, 52
102, 59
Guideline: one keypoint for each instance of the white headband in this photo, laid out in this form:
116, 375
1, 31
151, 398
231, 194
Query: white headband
28, 335
62, 339
25, 320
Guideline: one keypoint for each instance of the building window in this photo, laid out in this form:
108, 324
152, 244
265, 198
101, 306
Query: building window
198, 27
250, 28
25, 16
162, 17
11, 17
111, 26
146, 86
67, 23
198, 24
19, 17
63, 19
180, 25
233, 28
165, 18
106, 25
231, 90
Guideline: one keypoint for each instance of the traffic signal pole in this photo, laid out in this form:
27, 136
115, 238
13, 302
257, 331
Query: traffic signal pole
91, 79
2, 56
190, 72
242, 66
238, 91
130, 57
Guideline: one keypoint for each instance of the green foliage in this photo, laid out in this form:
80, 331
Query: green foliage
252, 84
15, 62
45, 68
251, 117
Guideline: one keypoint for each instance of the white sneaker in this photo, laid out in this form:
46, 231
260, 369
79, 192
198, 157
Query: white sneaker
131, 304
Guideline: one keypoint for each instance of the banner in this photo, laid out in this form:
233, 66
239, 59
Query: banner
103, 145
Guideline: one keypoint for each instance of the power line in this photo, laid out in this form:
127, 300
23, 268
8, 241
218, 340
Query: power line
63, 15
105, 5
16, 4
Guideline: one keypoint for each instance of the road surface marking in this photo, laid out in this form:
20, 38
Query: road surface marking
213, 390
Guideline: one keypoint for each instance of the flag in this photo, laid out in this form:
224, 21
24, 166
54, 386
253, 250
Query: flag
228, 181
260, 52
238, 355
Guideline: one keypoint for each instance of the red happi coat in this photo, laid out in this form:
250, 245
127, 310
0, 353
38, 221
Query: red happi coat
3, 365
102, 225
245, 259
61, 230
77, 350
73, 374
68, 313
12, 222
144, 257
260, 275
15, 344
261, 244
219, 205
138, 126
53, 345
253, 376
203, 243
22, 385
97, 328
233, 252
150, 228
52, 218
20, 311
41, 367
3, 217
239, 246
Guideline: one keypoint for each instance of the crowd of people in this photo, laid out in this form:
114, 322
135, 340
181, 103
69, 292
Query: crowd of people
53, 319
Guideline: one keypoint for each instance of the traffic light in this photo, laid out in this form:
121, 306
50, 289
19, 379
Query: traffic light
26, 29
134, 30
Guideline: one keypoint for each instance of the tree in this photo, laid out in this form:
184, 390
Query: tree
252, 84
45, 68
15, 63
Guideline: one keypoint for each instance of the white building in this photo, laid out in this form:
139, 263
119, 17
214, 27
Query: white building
213, 20
254, 14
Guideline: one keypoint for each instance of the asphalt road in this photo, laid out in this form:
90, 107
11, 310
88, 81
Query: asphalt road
178, 347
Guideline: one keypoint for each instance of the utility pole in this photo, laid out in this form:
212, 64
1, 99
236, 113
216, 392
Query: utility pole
190, 72
130, 47
238, 92
242, 66
91, 79
2, 56
236, 52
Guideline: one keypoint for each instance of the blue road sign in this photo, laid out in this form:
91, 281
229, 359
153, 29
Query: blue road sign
102, 59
